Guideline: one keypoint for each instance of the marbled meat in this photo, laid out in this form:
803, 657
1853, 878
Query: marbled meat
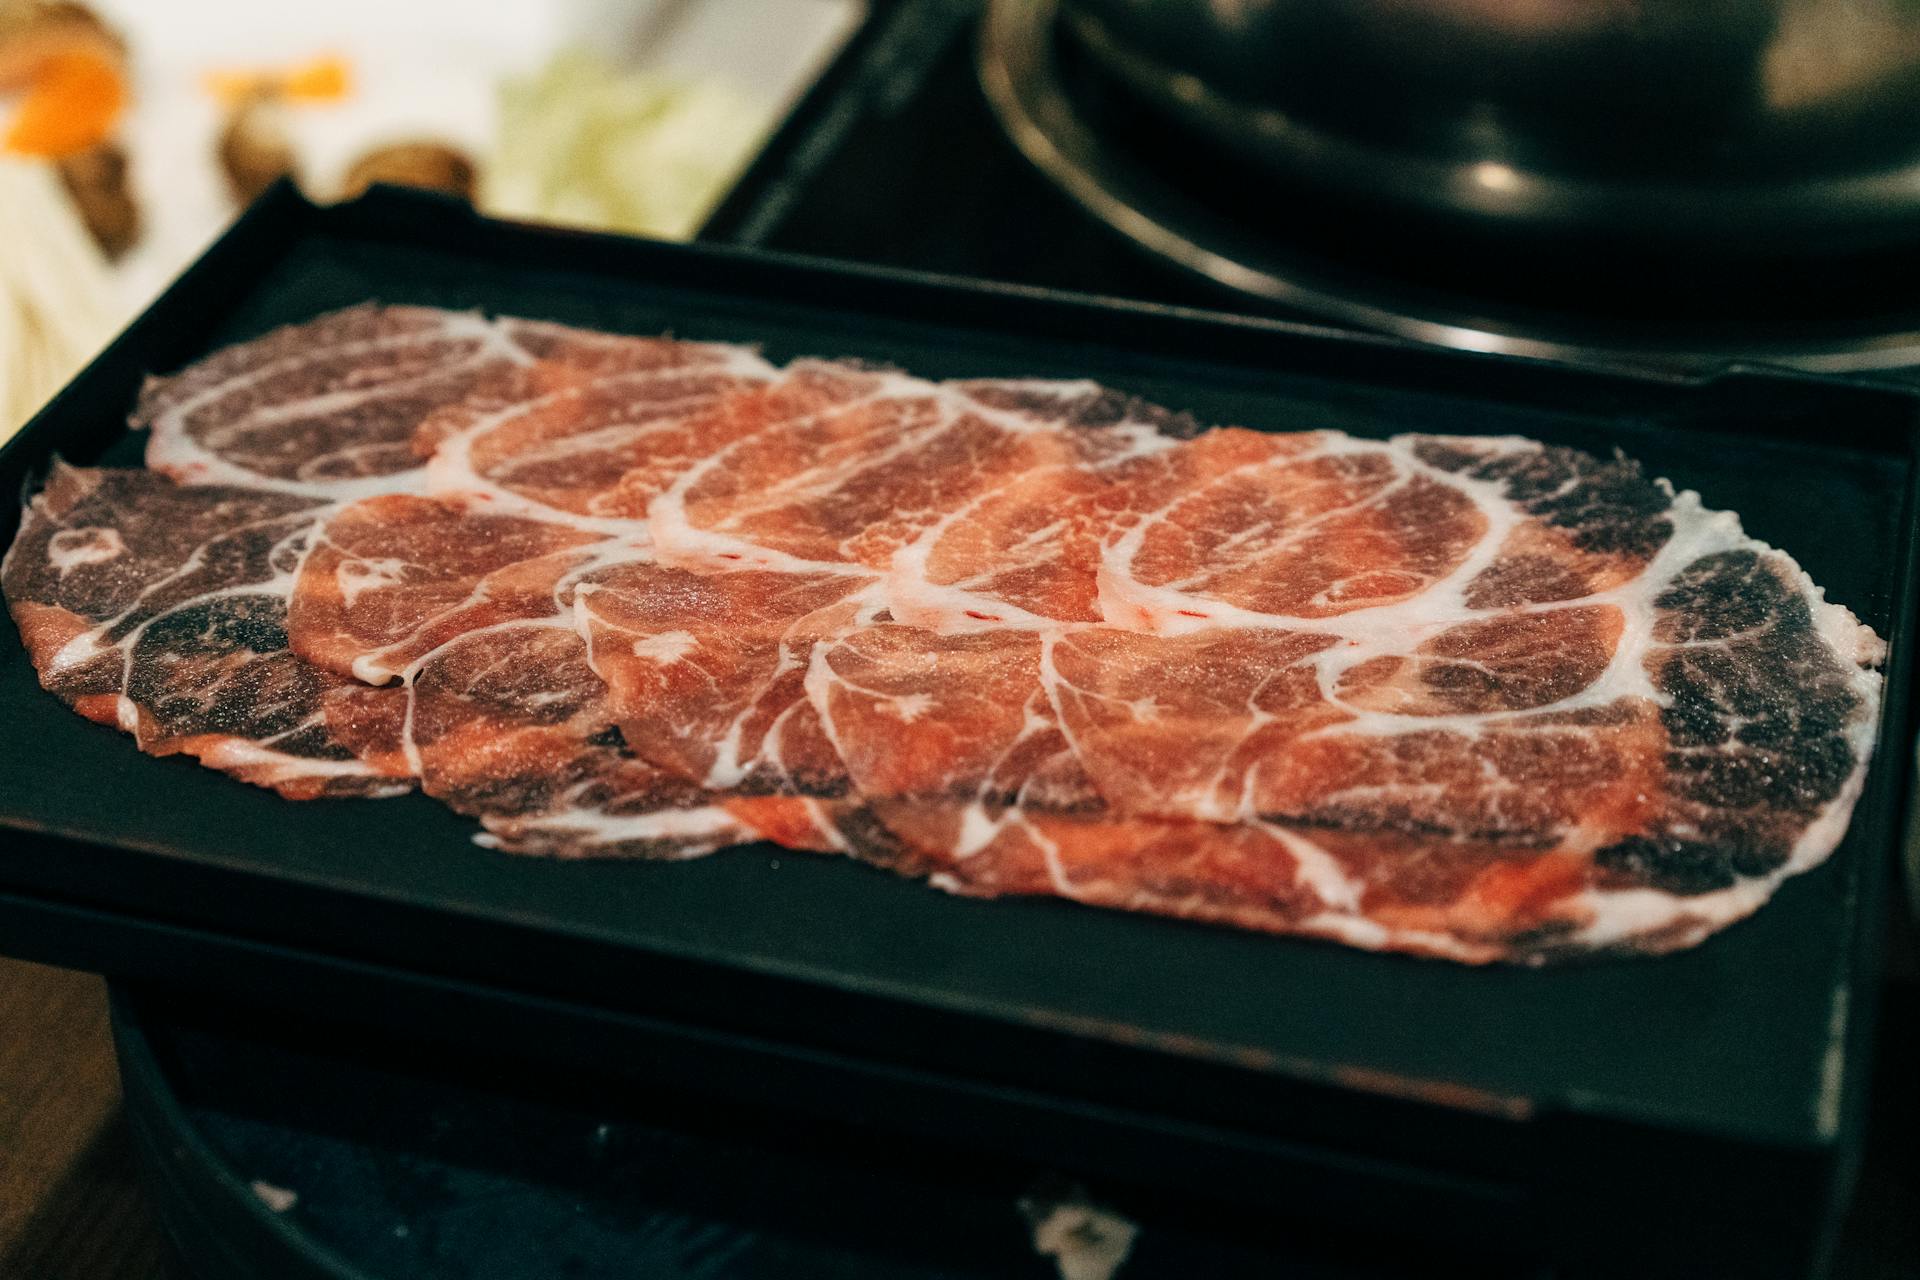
1479, 698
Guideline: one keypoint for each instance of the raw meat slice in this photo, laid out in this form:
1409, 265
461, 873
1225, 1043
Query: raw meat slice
1021, 817
509, 726
1471, 903
317, 401
544, 786
769, 546
161, 610
1543, 647
325, 406
852, 464
329, 407
1028, 553
1236, 724
392, 578
1344, 526
707, 672
1036, 826
560, 438
497, 709
547, 443
1595, 739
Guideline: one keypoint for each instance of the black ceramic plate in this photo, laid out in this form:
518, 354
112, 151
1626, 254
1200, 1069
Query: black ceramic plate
1263, 1067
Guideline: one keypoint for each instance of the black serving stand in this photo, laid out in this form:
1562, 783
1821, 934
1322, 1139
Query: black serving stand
319, 1153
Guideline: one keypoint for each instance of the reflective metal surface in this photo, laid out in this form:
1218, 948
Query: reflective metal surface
1093, 161
1731, 125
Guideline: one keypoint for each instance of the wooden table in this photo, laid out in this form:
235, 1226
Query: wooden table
71, 1207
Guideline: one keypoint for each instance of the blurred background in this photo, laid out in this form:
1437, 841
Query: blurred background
1674, 185
1670, 184
131, 133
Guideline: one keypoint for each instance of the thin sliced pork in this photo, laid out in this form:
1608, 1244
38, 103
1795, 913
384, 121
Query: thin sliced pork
161, 610
1478, 698
330, 407
496, 708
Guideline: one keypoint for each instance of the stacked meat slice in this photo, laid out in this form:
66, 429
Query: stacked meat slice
1475, 698
124, 583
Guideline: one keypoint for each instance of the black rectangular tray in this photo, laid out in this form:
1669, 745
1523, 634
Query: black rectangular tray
1533, 1108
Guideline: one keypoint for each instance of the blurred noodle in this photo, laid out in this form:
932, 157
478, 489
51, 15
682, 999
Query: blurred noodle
58, 306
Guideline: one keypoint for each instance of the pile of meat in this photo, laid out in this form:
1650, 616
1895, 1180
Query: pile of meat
1467, 697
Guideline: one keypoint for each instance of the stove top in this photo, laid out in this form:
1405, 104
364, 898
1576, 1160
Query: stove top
1054, 177
896, 159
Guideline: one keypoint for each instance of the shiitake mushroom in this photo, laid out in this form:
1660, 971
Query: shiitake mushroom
433, 166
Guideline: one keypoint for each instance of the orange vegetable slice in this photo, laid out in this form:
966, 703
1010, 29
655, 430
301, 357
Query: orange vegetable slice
72, 104
322, 79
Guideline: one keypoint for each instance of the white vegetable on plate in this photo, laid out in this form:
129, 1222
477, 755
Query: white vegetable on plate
646, 152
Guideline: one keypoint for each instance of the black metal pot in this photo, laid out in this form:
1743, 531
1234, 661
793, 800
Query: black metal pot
1742, 125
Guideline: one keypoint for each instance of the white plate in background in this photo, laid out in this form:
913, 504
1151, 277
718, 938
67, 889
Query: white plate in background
419, 69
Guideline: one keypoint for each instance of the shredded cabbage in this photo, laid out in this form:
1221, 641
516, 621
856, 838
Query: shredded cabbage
582, 143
